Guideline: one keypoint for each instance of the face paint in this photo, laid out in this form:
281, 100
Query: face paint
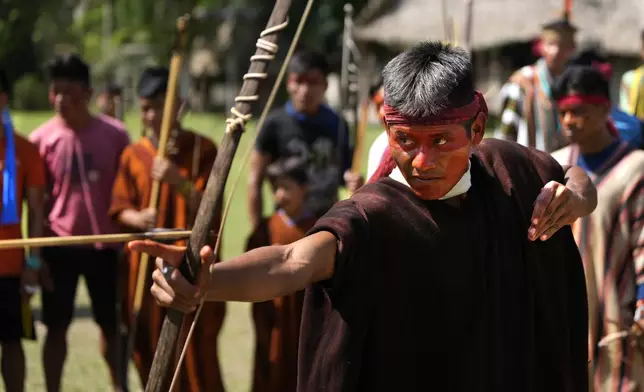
431, 158
432, 152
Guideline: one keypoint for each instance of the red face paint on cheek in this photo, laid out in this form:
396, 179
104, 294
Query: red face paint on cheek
444, 138
432, 159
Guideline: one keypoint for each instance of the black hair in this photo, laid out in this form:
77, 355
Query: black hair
69, 66
292, 168
588, 56
580, 79
427, 78
304, 61
5, 87
153, 82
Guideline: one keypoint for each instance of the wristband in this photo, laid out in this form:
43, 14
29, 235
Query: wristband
33, 262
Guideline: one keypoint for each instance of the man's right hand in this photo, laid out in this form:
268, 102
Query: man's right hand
170, 289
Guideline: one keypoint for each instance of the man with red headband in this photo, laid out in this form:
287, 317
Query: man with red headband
626, 127
529, 114
463, 278
611, 239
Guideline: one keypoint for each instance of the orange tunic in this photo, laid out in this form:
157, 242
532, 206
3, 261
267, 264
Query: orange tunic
132, 189
277, 322
30, 173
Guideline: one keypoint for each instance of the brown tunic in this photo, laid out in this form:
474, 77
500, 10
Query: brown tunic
132, 190
426, 296
277, 322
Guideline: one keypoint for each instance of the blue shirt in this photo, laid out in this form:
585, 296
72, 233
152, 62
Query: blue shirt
629, 127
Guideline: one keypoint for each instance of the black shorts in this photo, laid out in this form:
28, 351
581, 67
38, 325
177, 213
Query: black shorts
100, 270
16, 321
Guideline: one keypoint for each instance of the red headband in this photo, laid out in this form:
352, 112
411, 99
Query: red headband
577, 99
445, 117
596, 99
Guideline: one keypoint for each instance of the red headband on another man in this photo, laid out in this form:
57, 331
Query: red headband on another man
447, 116
579, 99
589, 99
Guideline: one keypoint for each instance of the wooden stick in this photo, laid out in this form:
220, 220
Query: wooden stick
467, 36
43, 242
212, 197
361, 130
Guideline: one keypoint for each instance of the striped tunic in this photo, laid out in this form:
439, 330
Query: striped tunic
529, 115
610, 241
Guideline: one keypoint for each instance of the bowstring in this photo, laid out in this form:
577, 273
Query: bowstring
245, 160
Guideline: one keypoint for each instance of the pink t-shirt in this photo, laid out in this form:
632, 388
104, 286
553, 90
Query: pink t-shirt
81, 167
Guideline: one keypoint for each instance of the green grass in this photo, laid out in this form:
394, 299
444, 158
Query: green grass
84, 370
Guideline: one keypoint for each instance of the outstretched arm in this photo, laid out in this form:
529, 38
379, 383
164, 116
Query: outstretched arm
273, 271
259, 275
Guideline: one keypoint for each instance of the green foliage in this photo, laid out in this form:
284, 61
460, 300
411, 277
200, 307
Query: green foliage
30, 93
35, 30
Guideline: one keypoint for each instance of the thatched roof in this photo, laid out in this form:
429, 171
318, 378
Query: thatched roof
616, 24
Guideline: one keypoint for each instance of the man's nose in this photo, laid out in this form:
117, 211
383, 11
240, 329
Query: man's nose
425, 159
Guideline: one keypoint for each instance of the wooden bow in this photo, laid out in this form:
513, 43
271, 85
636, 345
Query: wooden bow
212, 197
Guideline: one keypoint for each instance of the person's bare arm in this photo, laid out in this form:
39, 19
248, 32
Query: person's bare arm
273, 271
258, 164
577, 180
36, 214
559, 205
259, 275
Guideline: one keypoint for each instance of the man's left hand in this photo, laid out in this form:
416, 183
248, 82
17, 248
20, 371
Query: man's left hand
555, 207
164, 170
353, 180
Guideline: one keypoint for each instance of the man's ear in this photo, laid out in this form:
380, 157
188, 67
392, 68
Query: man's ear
478, 129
